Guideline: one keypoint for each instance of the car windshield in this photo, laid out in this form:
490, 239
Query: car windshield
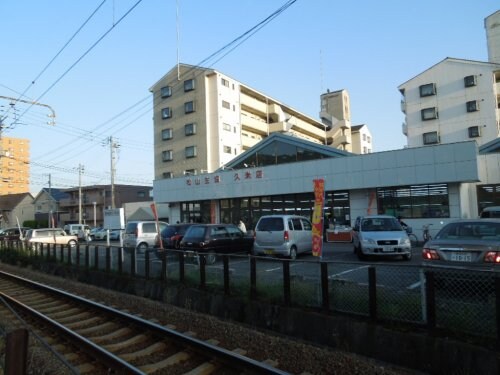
195, 231
481, 230
380, 225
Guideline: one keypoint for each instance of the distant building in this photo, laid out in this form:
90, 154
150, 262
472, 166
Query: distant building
361, 139
459, 100
14, 165
203, 119
95, 199
15, 209
47, 206
456, 99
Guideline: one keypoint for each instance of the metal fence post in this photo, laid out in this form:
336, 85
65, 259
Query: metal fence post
325, 296
132, 262
163, 256
372, 292
286, 282
146, 264
430, 297
181, 267
61, 252
203, 275
120, 260
253, 278
78, 253
497, 306
108, 259
87, 257
225, 262
96, 257
16, 352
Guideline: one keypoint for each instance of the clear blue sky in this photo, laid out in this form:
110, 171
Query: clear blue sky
366, 47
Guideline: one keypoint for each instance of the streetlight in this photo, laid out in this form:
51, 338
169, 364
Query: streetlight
95, 225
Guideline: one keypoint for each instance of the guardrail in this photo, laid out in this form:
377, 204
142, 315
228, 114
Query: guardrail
457, 301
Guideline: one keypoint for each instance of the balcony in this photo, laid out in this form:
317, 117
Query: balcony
403, 106
404, 127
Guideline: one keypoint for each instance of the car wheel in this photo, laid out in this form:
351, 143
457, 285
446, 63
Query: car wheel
177, 245
407, 256
210, 257
71, 243
293, 253
142, 247
360, 254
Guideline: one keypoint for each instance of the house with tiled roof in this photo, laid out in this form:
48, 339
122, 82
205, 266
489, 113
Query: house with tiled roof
15, 209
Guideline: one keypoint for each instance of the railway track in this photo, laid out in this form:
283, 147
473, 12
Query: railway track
94, 338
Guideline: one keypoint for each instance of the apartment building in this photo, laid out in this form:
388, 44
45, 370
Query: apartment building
455, 99
361, 139
14, 165
95, 199
203, 119
459, 100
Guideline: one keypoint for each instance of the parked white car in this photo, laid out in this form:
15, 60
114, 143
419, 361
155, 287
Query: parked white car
380, 236
50, 236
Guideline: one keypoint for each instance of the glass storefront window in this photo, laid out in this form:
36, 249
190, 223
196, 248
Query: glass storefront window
415, 201
488, 195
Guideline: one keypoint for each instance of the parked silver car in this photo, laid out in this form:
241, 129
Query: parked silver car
142, 234
50, 236
381, 236
286, 235
465, 242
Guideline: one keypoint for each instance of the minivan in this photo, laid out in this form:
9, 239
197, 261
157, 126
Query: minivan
50, 236
286, 235
77, 230
142, 234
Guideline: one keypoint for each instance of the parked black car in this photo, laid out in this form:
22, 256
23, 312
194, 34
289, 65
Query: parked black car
213, 239
172, 235
13, 234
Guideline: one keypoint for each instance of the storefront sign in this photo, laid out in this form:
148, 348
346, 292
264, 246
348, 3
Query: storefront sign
216, 179
317, 218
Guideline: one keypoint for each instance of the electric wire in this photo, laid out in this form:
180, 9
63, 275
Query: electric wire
234, 43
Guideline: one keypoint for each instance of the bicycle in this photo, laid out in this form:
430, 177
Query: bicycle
426, 234
413, 238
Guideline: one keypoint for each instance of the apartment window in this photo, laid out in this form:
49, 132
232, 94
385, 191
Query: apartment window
364, 150
141, 194
429, 113
189, 172
224, 82
166, 91
470, 81
474, 132
167, 155
427, 90
226, 105
167, 134
368, 139
189, 85
472, 106
226, 127
431, 138
364, 137
168, 175
166, 113
191, 152
226, 149
190, 129
189, 107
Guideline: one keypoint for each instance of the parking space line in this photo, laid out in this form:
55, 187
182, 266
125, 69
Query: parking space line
347, 271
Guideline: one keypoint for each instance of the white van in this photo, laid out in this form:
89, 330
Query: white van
142, 234
286, 235
77, 230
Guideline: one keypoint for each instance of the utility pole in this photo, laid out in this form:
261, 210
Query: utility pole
112, 146
50, 203
81, 168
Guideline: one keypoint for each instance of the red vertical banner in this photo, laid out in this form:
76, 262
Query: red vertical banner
317, 217
158, 231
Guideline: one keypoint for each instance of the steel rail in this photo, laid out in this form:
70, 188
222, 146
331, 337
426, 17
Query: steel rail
230, 358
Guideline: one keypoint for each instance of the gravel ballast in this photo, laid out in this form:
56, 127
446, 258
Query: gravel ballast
292, 355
